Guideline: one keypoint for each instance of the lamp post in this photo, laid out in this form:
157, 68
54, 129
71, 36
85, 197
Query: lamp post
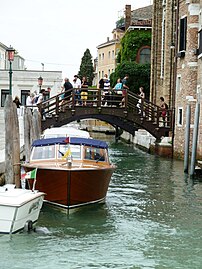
11, 53
40, 82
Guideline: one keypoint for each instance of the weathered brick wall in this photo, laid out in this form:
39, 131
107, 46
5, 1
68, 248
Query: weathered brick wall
187, 68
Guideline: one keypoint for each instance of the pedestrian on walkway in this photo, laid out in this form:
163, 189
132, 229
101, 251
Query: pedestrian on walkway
164, 108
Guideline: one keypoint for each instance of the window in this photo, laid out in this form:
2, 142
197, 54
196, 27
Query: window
109, 54
178, 83
4, 94
103, 56
24, 94
145, 56
92, 153
112, 54
44, 152
72, 150
183, 34
180, 116
200, 42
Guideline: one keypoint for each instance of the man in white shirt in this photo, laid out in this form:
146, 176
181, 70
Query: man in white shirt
77, 87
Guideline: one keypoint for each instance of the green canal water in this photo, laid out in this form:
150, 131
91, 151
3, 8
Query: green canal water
152, 218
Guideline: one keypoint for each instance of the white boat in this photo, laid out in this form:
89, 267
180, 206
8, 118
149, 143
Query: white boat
18, 208
65, 132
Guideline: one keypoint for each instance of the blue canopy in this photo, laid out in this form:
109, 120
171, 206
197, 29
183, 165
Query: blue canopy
72, 140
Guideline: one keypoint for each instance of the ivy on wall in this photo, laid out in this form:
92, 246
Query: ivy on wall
131, 43
139, 74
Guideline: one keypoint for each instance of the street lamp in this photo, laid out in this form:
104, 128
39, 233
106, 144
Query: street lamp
11, 53
40, 82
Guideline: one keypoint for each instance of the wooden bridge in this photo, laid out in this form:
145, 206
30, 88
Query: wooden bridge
127, 112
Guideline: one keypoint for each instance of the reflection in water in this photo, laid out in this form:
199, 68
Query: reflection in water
151, 219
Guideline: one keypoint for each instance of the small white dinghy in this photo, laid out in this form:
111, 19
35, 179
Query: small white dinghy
18, 208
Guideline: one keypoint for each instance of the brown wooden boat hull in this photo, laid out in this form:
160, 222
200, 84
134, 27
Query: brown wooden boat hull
72, 188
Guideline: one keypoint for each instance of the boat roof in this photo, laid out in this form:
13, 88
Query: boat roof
70, 140
65, 131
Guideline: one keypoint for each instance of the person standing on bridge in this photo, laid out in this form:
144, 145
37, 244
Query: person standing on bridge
164, 108
77, 87
125, 88
141, 100
84, 91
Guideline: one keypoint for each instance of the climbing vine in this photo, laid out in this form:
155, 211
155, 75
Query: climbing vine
131, 43
139, 74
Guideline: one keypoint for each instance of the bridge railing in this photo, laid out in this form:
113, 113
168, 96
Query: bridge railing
100, 98
148, 110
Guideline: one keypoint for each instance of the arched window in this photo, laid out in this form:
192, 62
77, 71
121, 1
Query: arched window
144, 55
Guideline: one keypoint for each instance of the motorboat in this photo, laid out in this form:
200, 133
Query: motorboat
72, 171
18, 208
65, 131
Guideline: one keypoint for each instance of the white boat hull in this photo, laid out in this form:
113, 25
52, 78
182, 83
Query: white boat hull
18, 207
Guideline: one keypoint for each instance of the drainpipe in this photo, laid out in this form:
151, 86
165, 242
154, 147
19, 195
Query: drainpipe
175, 73
195, 138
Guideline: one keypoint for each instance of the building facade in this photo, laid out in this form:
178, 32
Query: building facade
138, 19
107, 53
25, 81
177, 66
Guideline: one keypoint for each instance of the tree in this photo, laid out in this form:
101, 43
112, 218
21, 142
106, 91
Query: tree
86, 67
139, 75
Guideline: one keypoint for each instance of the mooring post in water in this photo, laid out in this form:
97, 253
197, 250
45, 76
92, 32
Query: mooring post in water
117, 134
187, 139
12, 143
195, 138
32, 129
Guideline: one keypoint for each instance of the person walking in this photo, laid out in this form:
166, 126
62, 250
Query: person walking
164, 108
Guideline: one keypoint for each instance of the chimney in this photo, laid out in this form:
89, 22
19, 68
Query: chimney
127, 16
107, 39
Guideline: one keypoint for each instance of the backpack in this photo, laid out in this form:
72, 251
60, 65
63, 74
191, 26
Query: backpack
36, 99
166, 106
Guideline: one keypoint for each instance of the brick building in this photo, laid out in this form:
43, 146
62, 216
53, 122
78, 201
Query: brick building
176, 64
138, 19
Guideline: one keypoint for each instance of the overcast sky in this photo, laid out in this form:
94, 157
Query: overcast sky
57, 32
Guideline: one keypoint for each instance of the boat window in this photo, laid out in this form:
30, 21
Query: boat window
92, 153
69, 150
44, 152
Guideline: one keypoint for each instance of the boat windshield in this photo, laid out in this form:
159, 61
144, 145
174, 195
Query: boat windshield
43, 152
92, 153
73, 151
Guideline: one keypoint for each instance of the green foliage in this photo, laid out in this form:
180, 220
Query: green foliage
86, 67
139, 75
120, 23
131, 43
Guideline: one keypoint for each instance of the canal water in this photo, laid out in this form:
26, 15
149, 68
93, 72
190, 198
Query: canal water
152, 218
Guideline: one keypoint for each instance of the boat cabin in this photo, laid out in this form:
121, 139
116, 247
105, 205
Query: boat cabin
74, 148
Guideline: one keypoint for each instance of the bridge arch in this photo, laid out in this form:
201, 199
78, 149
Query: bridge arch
128, 117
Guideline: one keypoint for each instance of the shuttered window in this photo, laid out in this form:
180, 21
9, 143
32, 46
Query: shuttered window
200, 42
183, 34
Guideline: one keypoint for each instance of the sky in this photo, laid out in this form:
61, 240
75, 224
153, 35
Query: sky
58, 32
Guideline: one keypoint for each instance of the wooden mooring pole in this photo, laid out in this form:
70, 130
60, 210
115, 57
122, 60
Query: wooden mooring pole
12, 143
32, 129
